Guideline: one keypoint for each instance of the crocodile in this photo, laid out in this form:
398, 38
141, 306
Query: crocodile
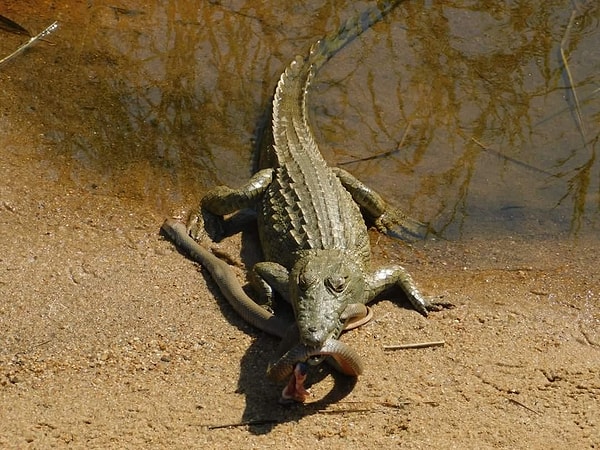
312, 223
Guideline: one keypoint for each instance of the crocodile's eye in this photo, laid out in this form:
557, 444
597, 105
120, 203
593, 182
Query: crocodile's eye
336, 283
305, 280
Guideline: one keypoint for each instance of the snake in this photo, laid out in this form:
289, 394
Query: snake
346, 360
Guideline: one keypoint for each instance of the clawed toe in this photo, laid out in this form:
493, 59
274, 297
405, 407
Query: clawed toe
439, 305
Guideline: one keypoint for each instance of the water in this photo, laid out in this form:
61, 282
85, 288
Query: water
463, 115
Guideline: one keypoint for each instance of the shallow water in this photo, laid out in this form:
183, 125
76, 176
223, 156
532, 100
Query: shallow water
463, 115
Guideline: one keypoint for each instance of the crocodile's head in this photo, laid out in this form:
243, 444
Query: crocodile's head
322, 284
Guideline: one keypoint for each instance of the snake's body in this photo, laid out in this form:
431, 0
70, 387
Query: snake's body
346, 359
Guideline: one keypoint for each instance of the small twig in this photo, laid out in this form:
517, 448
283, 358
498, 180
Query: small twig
39, 344
518, 403
341, 408
343, 411
47, 341
30, 42
415, 345
571, 85
509, 158
381, 155
362, 406
245, 423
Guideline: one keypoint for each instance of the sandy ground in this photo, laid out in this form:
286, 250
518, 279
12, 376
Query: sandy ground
112, 339
109, 338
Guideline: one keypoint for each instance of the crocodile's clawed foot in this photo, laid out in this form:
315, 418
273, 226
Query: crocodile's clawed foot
398, 225
195, 226
438, 305
295, 390
204, 225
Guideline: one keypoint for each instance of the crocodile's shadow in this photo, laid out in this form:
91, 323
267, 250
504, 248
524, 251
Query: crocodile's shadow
263, 410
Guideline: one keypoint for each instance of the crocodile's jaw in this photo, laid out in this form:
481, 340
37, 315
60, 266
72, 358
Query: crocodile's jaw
322, 284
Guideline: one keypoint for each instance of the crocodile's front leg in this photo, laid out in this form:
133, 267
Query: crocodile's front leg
266, 279
388, 219
224, 200
397, 276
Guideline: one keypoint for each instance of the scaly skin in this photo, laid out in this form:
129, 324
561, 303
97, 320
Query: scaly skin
313, 234
343, 357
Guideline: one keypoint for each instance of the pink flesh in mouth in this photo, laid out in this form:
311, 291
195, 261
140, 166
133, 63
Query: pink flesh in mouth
295, 390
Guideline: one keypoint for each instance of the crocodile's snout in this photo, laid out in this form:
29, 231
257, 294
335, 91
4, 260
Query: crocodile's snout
316, 328
322, 284
315, 337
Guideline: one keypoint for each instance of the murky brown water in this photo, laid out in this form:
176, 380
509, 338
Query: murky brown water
461, 113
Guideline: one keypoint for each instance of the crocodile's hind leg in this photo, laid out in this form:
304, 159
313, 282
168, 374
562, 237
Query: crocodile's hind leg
224, 200
397, 276
387, 219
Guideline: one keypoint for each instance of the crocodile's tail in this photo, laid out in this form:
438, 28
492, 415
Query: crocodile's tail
327, 47
291, 130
